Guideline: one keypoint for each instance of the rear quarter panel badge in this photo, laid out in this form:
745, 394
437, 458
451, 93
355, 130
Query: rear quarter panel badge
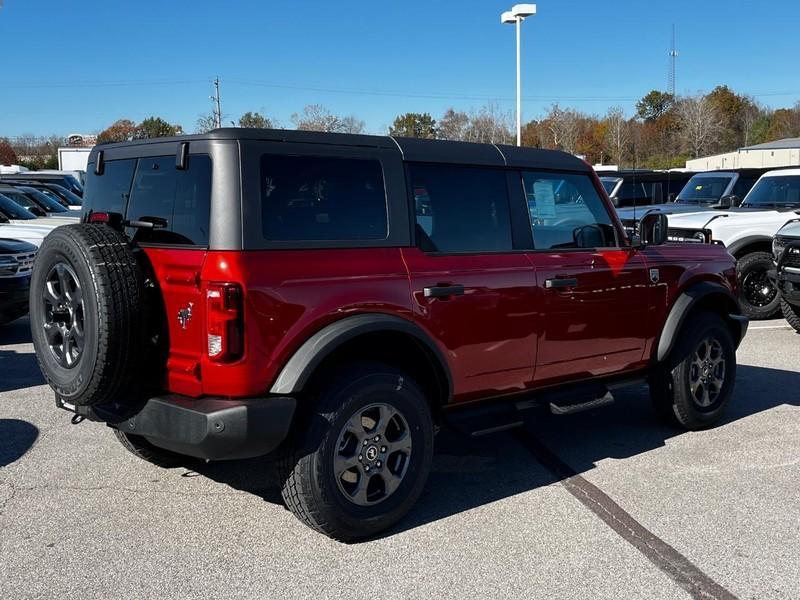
185, 315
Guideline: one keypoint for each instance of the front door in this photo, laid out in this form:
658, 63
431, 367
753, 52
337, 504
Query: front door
472, 290
594, 291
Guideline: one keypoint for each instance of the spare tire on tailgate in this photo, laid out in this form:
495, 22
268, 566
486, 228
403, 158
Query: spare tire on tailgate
87, 314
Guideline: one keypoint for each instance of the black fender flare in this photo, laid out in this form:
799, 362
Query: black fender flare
746, 241
299, 368
683, 305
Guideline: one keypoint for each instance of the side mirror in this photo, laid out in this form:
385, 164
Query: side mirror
671, 197
729, 201
653, 229
615, 201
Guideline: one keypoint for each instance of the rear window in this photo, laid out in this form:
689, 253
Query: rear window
109, 192
308, 198
178, 201
461, 209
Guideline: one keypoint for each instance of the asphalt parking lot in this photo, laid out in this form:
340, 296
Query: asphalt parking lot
604, 504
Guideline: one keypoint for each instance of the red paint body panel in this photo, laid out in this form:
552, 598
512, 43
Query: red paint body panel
506, 334
290, 295
489, 334
598, 327
177, 272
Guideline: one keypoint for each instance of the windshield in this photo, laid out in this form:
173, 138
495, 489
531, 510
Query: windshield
13, 210
782, 191
609, 183
68, 196
19, 198
46, 202
704, 189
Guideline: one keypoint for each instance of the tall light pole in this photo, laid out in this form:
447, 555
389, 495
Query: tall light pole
516, 16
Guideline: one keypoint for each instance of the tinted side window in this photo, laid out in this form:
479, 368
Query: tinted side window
461, 209
567, 212
109, 192
180, 200
630, 190
322, 199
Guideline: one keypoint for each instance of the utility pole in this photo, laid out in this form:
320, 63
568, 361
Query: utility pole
217, 109
673, 55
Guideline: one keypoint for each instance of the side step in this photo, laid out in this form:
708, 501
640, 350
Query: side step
576, 407
500, 415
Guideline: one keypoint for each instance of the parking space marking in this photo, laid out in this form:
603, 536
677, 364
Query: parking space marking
772, 327
674, 564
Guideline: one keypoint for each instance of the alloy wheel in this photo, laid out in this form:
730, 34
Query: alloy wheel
757, 288
373, 452
707, 372
64, 315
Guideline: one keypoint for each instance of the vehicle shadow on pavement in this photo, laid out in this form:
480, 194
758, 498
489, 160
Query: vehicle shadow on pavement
18, 370
16, 438
468, 473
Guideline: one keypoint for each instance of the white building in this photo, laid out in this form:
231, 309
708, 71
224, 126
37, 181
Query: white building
780, 153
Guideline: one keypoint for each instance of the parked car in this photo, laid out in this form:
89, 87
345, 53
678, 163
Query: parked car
33, 234
16, 264
333, 298
58, 193
31, 205
747, 233
29, 197
709, 191
786, 276
80, 176
643, 188
67, 181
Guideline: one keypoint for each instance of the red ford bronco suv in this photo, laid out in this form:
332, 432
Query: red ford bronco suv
335, 298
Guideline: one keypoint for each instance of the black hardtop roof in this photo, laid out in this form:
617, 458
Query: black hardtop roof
412, 149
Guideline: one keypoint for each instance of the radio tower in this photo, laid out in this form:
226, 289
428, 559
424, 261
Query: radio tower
673, 54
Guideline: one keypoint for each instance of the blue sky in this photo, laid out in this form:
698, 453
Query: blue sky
78, 66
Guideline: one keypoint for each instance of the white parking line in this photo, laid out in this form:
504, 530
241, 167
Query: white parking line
771, 327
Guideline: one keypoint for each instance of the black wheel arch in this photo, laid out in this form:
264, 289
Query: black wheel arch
749, 244
703, 295
374, 333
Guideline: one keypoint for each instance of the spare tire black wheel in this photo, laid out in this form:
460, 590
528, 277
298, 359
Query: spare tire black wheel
87, 314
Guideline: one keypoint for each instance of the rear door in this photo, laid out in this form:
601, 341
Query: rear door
472, 289
177, 203
594, 291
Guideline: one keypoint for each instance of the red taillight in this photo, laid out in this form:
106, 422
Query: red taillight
99, 217
225, 318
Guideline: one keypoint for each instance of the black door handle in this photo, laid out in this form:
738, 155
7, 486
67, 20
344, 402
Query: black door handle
443, 291
560, 282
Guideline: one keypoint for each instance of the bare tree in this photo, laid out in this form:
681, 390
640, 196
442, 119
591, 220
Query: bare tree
351, 124
618, 133
206, 123
699, 124
564, 126
489, 125
453, 125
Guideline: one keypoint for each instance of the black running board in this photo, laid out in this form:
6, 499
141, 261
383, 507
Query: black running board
507, 413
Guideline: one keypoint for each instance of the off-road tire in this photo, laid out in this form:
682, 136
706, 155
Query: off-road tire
756, 261
305, 466
792, 314
141, 448
669, 382
108, 368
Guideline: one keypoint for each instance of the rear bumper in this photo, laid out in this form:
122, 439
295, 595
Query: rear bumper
213, 428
